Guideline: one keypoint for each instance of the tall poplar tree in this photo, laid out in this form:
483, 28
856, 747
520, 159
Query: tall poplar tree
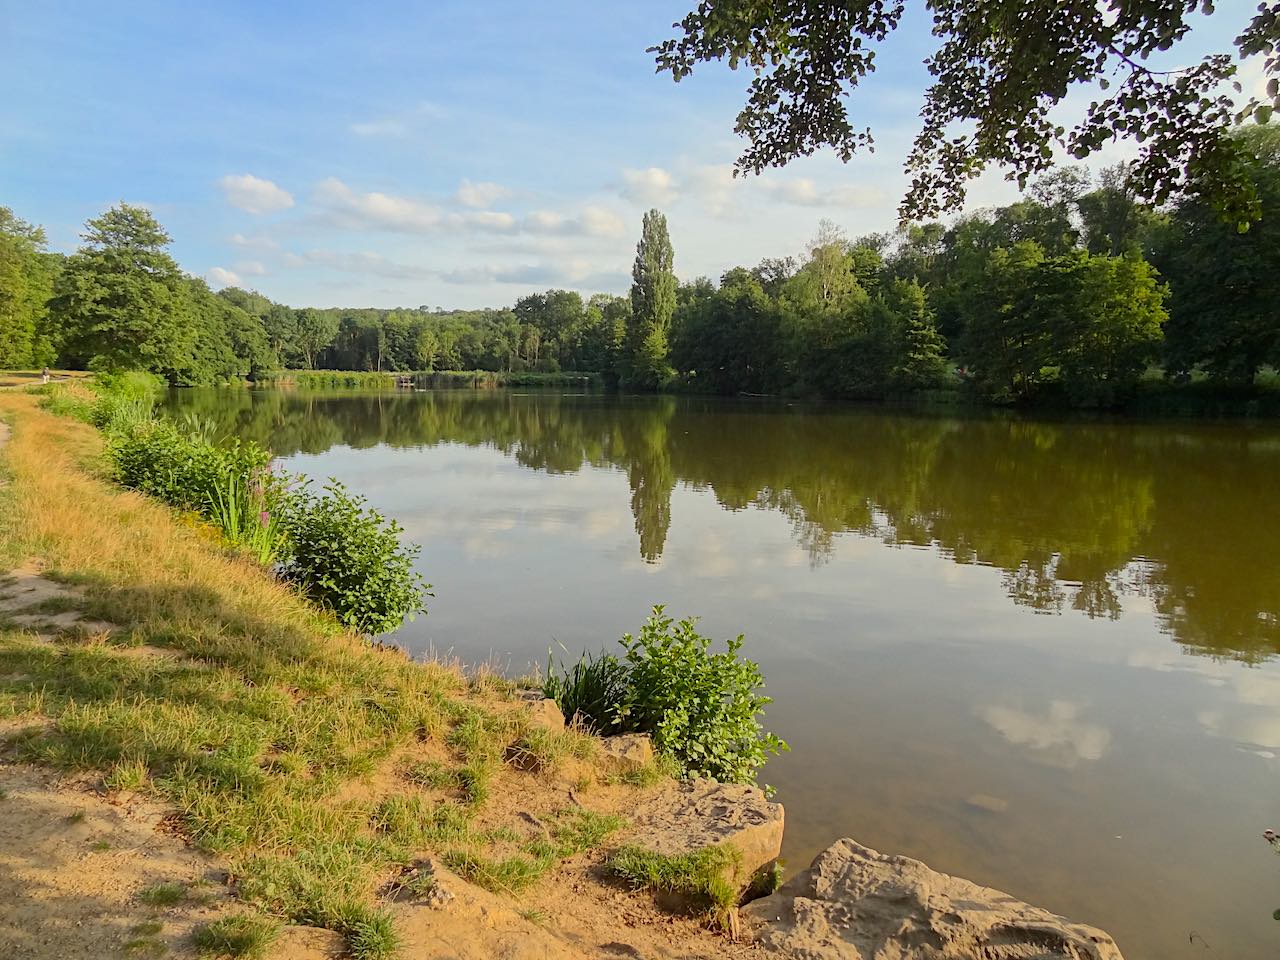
653, 303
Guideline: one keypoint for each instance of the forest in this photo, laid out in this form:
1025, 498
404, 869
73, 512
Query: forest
1077, 294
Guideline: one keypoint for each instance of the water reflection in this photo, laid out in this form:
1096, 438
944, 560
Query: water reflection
1077, 515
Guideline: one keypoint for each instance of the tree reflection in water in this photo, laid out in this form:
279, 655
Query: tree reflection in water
1077, 514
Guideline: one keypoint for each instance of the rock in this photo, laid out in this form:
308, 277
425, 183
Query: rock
543, 711
856, 904
702, 813
628, 751
984, 801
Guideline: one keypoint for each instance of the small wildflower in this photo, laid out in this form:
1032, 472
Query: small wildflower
264, 518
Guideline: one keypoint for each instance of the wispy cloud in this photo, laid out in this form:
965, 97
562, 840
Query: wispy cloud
222, 277
481, 194
258, 242
804, 192
350, 209
255, 195
402, 124
652, 185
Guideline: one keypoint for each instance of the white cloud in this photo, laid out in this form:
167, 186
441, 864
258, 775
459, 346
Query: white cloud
221, 277
803, 192
374, 264
399, 125
383, 211
594, 221
649, 186
255, 195
250, 268
258, 242
1060, 737
714, 185
479, 194
376, 210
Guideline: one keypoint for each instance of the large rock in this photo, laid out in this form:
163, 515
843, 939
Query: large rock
857, 904
543, 711
702, 813
627, 752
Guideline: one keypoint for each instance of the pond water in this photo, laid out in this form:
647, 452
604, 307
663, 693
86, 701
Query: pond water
1040, 655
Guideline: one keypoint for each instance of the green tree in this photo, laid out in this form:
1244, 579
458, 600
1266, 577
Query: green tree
315, 331
653, 303
1000, 68
920, 362
26, 284
1226, 284
1111, 327
120, 302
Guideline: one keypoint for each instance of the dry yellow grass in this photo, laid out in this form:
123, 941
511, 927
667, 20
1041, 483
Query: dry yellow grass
280, 738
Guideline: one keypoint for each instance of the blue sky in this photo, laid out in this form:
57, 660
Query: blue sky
448, 153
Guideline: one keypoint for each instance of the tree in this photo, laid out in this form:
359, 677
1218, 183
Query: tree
920, 363
315, 331
1112, 330
1000, 68
653, 303
1226, 284
121, 302
26, 284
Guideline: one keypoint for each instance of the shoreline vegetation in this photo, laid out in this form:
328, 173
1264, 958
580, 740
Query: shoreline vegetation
329, 774
1077, 296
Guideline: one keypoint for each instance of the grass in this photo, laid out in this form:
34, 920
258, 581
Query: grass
163, 895
702, 876
241, 936
311, 762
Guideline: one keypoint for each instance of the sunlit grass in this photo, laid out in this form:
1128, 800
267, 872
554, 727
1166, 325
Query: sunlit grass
265, 723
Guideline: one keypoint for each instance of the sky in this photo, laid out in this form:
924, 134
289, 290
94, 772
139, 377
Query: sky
447, 154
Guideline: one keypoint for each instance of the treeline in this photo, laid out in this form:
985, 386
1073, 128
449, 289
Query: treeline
1072, 295
122, 303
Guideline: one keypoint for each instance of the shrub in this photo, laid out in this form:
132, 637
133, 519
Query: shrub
350, 560
701, 708
159, 459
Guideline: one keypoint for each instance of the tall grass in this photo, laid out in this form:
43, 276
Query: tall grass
242, 509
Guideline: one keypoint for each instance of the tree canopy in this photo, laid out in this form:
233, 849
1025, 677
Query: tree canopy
999, 69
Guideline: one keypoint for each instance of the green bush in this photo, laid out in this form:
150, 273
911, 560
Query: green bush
350, 560
159, 459
701, 708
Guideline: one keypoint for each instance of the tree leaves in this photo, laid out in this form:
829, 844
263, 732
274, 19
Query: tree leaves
1000, 67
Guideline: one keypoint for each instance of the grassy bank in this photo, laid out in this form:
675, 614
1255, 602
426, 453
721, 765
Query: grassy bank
321, 769
430, 380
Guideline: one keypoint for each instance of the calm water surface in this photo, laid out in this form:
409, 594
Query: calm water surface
1039, 655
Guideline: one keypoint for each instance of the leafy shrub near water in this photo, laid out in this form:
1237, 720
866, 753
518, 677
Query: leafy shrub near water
341, 554
350, 560
701, 708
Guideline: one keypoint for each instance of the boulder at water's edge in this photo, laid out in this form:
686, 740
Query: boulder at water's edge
856, 904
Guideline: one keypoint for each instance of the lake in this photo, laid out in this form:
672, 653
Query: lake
1038, 654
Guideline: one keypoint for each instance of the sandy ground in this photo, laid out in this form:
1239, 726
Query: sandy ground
72, 865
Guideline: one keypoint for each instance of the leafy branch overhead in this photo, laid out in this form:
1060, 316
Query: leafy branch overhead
1000, 68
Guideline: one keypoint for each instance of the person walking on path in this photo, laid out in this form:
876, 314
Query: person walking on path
44, 375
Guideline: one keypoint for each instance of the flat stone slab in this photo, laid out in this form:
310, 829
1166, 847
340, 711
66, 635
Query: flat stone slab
702, 813
854, 903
